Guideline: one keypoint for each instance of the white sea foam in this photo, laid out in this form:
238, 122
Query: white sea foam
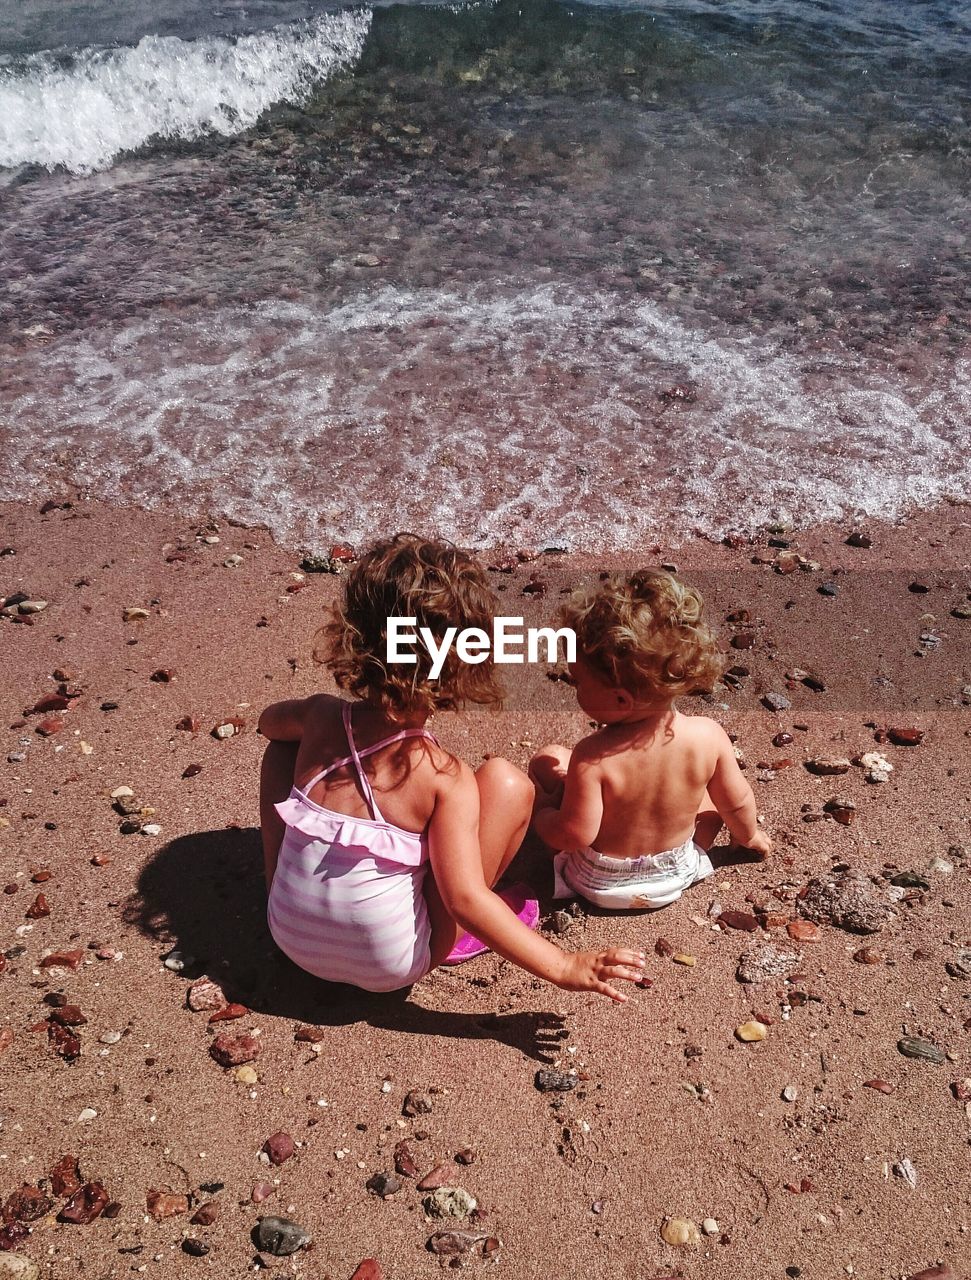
533, 415
82, 116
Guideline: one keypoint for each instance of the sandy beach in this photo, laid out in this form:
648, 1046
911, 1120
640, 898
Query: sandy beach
821, 1150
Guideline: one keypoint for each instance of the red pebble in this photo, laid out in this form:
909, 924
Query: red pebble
41, 877
434, 1178
233, 1051
261, 1191
279, 1147
63, 960
87, 1203
369, 1269
65, 1176
163, 675
803, 931
63, 1042
205, 1215
68, 1015
905, 737
47, 728
343, 552
739, 920
165, 1204
39, 908
230, 1013
188, 724
191, 770
663, 948
881, 1086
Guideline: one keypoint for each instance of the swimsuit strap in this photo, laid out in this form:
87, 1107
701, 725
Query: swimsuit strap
356, 757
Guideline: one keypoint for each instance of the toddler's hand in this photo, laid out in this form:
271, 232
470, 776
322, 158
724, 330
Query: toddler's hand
544, 799
590, 970
760, 844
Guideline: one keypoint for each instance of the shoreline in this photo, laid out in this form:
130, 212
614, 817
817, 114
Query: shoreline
674, 1118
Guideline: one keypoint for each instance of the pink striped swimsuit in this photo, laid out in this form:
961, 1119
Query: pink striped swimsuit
346, 901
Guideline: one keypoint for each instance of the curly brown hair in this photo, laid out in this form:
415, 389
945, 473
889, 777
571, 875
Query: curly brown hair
644, 632
410, 577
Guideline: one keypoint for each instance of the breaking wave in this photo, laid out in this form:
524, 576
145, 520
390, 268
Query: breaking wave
83, 113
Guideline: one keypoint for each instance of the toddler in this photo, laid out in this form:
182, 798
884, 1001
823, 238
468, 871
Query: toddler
380, 846
636, 805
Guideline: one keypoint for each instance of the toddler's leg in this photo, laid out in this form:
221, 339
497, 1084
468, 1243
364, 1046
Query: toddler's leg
548, 768
707, 824
276, 779
505, 806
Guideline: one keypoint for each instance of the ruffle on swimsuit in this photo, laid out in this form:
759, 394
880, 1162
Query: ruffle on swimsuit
625, 884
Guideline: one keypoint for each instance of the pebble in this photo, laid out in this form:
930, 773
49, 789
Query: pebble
232, 562
905, 1171
234, 1051
194, 1248
681, 957
453, 1244
776, 702
680, 1233
880, 1086
914, 1047
279, 1147
848, 900
750, 1032
383, 1185
803, 931
87, 1203
109, 1037
741, 920
790, 1093
65, 1176
449, 1202
204, 994
87, 1114
435, 1178
261, 1191
176, 961
710, 1227
867, 955
905, 737
766, 962
205, 1215
549, 1081
32, 606
165, 1204
134, 614
416, 1103
825, 766
245, 1075
841, 810
404, 1160
14, 1266
281, 1236
368, 1269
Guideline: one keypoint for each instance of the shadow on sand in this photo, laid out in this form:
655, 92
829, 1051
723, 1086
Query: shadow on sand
204, 894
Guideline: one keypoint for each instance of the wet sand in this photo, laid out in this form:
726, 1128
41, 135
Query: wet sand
671, 1117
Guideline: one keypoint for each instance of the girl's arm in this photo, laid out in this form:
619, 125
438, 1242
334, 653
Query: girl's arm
457, 866
284, 721
733, 797
576, 822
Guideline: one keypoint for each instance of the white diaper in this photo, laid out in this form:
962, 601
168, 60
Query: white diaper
624, 884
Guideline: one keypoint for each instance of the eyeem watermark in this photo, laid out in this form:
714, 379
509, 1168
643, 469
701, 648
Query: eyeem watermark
510, 642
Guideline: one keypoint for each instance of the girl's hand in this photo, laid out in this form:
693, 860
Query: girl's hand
590, 971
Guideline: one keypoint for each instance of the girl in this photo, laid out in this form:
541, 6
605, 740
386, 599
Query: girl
637, 804
375, 803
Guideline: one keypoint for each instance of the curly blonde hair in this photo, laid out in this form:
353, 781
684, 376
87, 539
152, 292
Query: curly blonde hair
644, 632
410, 577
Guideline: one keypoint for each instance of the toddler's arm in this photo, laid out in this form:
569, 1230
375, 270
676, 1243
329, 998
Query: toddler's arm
575, 822
457, 866
733, 797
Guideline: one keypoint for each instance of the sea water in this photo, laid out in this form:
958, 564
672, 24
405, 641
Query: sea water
522, 272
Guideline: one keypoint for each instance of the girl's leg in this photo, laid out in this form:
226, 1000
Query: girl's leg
505, 807
276, 779
707, 824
